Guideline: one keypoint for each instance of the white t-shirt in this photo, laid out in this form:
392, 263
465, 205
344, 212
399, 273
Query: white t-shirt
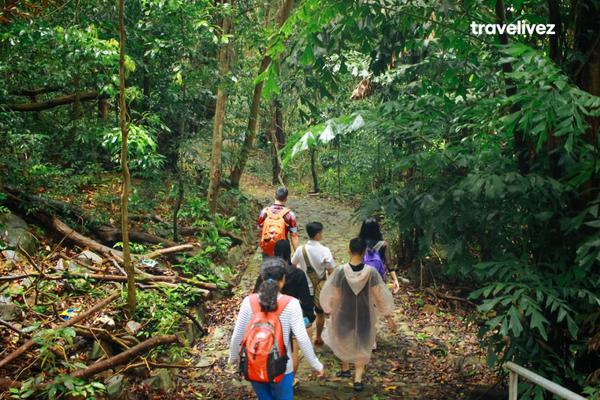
320, 258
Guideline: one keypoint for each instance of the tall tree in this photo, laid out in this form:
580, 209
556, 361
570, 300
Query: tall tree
252, 130
129, 270
217, 135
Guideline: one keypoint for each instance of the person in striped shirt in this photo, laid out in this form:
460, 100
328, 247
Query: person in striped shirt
273, 274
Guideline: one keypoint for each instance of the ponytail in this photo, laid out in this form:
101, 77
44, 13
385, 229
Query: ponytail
272, 272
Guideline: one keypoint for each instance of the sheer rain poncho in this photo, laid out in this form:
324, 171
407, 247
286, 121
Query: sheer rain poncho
354, 300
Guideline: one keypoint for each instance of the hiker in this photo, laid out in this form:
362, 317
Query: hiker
378, 252
315, 260
277, 222
261, 338
354, 296
296, 285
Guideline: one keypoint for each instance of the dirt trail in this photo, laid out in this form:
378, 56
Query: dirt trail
434, 358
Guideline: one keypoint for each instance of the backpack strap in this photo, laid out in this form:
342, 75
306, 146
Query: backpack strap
306, 259
379, 245
281, 303
254, 303
281, 214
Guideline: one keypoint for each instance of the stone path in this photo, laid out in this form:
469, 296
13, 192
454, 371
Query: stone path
400, 367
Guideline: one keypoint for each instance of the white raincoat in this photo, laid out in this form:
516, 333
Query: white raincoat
354, 300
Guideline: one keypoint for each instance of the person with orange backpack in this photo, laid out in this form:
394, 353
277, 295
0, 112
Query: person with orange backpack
260, 342
277, 222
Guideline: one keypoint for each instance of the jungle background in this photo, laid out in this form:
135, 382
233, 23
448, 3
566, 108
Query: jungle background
125, 144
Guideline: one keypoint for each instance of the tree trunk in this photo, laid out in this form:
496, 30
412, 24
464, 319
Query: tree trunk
277, 139
103, 109
217, 136
555, 18
313, 169
178, 201
587, 74
131, 293
238, 170
520, 145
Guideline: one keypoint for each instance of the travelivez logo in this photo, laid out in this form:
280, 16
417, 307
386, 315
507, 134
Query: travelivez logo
520, 28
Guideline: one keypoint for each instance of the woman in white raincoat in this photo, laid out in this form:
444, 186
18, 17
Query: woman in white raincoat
354, 296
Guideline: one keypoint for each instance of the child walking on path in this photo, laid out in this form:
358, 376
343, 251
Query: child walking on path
378, 251
290, 316
354, 296
315, 260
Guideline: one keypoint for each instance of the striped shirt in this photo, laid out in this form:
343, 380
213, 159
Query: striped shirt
291, 322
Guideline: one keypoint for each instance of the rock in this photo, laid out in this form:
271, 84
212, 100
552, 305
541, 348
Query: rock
161, 380
133, 327
89, 257
96, 351
116, 386
191, 330
10, 312
205, 362
11, 256
14, 231
234, 256
105, 321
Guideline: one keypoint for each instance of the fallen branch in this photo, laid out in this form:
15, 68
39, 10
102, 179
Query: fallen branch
125, 356
169, 250
10, 326
139, 278
103, 334
162, 365
75, 320
77, 238
449, 297
58, 101
193, 319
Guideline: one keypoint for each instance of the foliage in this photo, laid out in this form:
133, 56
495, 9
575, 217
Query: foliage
436, 153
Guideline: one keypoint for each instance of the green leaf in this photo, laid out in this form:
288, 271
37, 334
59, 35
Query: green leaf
515, 321
537, 322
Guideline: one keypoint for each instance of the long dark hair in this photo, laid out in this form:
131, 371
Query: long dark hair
283, 250
370, 232
272, 271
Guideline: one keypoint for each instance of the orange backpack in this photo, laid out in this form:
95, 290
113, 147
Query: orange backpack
274, 229
263, 356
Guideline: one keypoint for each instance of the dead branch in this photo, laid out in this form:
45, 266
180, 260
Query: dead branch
125, 356
103, 334
162, 365
140, 278
58, 101
77, 238
449, 297
75, 320
169, 250
10, 326
193, 319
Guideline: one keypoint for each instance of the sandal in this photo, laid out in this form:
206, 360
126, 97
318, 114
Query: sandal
358, 387
343, 374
